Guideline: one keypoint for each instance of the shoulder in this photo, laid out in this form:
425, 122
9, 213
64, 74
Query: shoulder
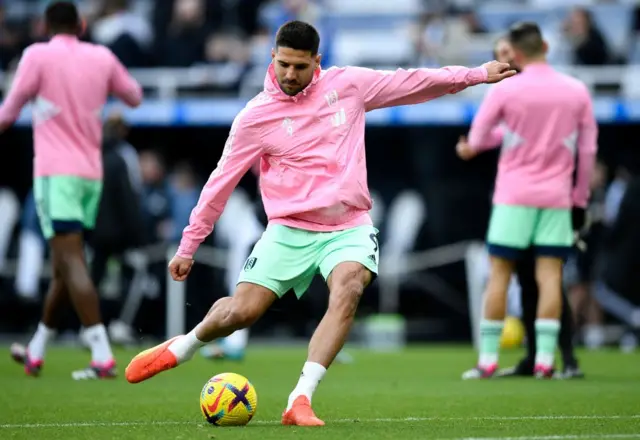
34, 51
251, 115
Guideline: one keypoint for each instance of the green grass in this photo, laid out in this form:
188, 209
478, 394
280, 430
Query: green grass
416, 394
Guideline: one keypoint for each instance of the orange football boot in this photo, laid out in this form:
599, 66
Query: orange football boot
148, 363
301, 414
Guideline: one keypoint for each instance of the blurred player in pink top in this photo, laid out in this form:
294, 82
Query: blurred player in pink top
543, 119
68, 83
307, 130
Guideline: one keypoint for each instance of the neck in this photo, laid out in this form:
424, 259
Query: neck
64, 34
542, 59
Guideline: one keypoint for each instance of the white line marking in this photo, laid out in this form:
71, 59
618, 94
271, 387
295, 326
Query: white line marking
350, 420
558, 437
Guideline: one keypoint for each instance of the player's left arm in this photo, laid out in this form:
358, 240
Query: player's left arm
381, 89
24, 88
587, 147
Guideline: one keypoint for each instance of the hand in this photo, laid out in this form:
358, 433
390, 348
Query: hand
179, 268
578, 218
497, 71
464, 150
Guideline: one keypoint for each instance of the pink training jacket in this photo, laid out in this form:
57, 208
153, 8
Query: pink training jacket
313, 173
547, 118
69, 82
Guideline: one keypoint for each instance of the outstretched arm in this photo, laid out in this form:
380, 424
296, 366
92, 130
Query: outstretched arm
25, 88
242, 149
381, 89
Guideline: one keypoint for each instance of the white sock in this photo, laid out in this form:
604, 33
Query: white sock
237, 341
96, 336
186, 346
38, 345
312, 374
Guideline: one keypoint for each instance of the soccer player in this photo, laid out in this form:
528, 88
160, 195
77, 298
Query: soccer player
525, 269
307, 129
68, 82
546, 116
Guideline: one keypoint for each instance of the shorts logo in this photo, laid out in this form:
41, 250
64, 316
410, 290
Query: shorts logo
373, 258
250, 263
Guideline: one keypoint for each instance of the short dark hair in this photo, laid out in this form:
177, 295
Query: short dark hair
527, 37
298, 35
62, 16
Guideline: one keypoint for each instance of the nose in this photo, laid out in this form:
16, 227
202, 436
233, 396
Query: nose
291, 74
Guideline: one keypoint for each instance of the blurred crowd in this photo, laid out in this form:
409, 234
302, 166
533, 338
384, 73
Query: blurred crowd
237, 34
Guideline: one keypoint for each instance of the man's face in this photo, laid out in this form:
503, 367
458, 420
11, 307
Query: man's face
294, 68
505, 54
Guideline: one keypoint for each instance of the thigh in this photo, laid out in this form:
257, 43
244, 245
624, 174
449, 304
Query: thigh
553, 236
91, 202
59, 204
354, 245
511, 230
284, 258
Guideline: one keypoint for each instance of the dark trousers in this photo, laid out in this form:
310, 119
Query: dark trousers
525, 268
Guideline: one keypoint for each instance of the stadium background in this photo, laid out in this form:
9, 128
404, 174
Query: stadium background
201, 60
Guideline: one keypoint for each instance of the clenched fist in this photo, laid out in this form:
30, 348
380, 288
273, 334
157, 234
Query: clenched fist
497, 71
179, 268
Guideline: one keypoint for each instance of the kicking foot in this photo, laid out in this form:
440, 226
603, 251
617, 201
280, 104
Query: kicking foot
480, 373
543, 372
301, 414
150, 362
96, 371
20, 354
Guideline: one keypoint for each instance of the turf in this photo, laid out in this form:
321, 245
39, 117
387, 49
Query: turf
416, 394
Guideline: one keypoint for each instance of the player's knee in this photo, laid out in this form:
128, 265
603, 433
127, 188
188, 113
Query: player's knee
344, 299
241, 314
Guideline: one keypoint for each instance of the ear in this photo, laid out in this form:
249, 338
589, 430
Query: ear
545, 47
82, 27
318, 59
273, 53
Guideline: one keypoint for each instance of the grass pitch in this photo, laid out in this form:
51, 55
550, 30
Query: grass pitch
415, 394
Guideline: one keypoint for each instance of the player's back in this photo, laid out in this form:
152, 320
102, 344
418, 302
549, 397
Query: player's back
74, 82
542, 112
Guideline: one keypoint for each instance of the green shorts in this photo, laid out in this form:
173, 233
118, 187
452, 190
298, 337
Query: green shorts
66, 203
513, 229
286, 258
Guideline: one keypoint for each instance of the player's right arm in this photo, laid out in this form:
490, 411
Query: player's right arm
485, 132
122, 85
242, 149
24, 88
587, 147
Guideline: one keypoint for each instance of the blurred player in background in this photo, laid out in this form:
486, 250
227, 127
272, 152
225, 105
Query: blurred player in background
525, 270
546, 116
307, 129
68, 82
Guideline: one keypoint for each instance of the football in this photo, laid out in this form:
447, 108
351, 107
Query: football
228, 399
512, 333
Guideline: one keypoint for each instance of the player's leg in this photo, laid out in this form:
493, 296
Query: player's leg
553, 240
525, 270
565, 342
281, 259
72, 203
510, 231
348, 260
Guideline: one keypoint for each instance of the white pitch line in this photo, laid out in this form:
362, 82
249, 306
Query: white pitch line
558, 437
342, 421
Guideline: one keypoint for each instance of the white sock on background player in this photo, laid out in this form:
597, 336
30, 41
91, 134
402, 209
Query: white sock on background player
96, 336
38, 345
